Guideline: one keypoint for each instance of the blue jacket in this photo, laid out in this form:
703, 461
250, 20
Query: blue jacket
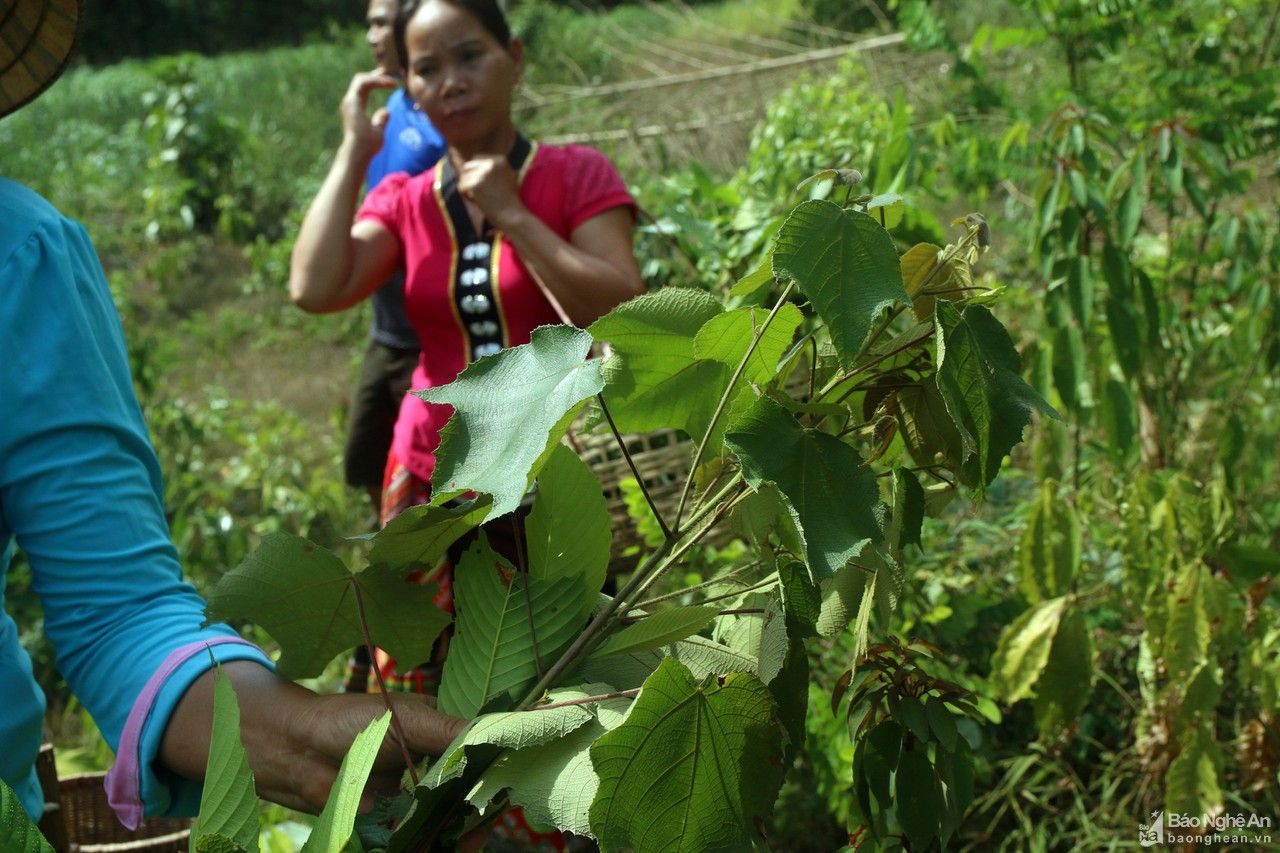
80, 491
410, 144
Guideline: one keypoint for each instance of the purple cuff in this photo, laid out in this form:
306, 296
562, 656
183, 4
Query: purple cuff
124, 780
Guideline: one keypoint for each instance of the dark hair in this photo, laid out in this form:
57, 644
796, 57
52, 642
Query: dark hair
488, 12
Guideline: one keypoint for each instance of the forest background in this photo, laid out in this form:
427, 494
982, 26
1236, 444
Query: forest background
1124, 153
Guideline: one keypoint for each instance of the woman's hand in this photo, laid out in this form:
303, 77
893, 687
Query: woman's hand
491, 183
359, 129
295, 739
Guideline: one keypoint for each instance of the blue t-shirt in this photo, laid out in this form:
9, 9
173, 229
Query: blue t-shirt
410, 144
80, 491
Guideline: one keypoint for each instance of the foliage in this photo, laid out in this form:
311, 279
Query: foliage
713, 714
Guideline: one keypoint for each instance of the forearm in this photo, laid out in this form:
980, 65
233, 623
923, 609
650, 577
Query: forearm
320, 267
583, 286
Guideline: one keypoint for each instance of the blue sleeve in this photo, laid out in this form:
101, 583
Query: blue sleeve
410, 142
80, 489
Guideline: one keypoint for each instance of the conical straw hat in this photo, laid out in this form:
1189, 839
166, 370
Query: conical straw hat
36, 39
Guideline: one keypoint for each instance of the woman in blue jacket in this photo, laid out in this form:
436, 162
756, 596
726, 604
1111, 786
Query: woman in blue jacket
80, 493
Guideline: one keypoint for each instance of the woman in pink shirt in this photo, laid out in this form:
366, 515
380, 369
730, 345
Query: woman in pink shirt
503, 235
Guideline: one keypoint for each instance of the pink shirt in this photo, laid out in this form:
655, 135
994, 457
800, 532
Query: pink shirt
451, 271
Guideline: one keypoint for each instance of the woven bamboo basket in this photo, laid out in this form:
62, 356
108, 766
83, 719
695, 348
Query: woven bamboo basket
78, 818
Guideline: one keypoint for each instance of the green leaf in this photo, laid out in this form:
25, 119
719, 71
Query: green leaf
801, 600
213, 843
841, 597
655, 379
1250, 563
303, 596
1062, 691
831, 492
941, 723
760, 635
908, 508
1069, 376
1050, 552
510, 409
918, 799
881, 753
1120, 417
568, 531
704, 657
725, 338
912, 713
1023, 650
1131, 204
229, 801
333, 828
518, 730
1126, 335
846, 264
1186, 636
1191, 785
755, 281
493, 649
421, 535
554, 783
16, 827
659, 629
927, 429
978, 375
1080, 289
693, 768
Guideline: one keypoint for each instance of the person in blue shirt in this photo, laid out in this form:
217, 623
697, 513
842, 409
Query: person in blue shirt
81, 495
410, 144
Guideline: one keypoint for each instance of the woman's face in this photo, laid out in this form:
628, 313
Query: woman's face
461, 76
380, 15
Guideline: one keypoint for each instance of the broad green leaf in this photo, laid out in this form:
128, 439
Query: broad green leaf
568, 532
1023, 650
214, 843
760, 635
658, 629
517, 730
1251, 562
931, 436
841, 596
1191, 785
979, 377
704, 658
1186, 636
693, 768
918, 799
941, 723
846, 264
1120, 417
1069, 376
881, 754
1062, 692
421, 535
510, 409
790, 691
333, 828
908, 508
725, 338
831, 492
655, 381
303, 596
554, 782
755, 281
1200, 695
494, 649
16, 827
801, 600
1050, 552
911, 712
229, 801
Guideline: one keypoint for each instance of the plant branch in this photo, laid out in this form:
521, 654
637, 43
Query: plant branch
591, 633
723, 579
724, 399
586, 700
622, 445
523, 566
401, 740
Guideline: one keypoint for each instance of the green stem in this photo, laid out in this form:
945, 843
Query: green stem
401, 740
724, 579
578, 649
586, 700
724, 399
635, 472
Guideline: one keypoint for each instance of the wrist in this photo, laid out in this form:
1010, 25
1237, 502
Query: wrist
512, 218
